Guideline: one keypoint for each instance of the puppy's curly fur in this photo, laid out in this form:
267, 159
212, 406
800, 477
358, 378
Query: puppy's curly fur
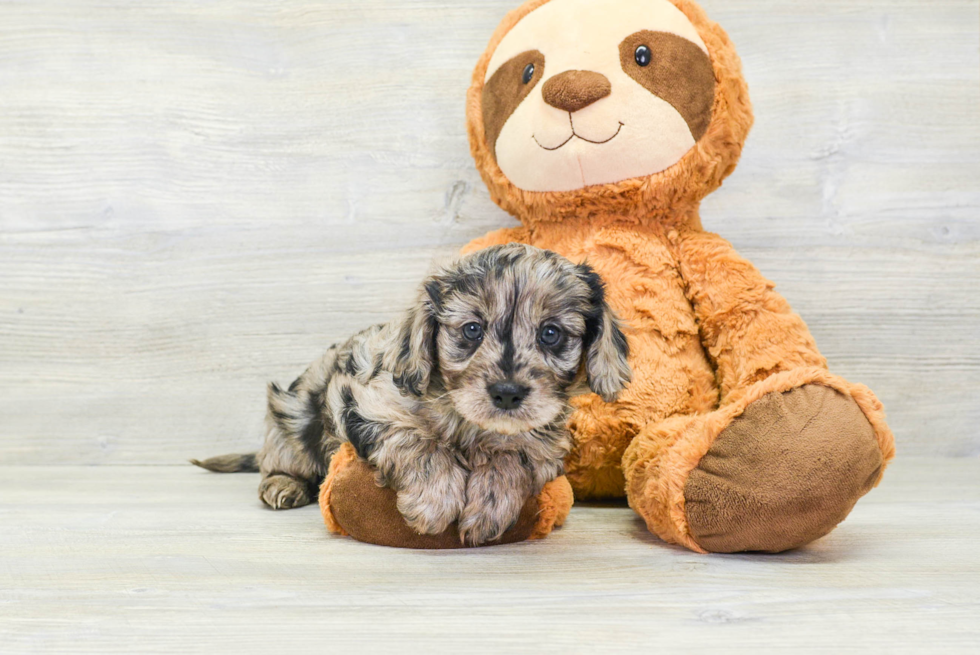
460, 406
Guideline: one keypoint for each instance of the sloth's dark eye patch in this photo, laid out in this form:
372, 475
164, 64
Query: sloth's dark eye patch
473, 331
681, 74
506, 90
643, 56
550, 335
528, 74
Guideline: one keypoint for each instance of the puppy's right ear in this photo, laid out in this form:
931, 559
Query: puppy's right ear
412, 360
606, 350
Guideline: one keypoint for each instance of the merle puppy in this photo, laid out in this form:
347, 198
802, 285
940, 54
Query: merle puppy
461, 405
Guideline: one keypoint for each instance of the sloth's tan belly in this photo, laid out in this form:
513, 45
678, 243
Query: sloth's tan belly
671, 373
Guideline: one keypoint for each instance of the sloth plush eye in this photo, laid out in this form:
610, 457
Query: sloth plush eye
528, 73
643, 56
550, 335
473, 331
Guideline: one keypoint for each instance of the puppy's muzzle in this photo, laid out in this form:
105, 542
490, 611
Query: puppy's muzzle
507, 395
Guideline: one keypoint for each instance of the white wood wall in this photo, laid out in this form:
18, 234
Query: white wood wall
197, 197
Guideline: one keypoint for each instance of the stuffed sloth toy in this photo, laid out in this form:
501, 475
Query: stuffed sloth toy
601, 125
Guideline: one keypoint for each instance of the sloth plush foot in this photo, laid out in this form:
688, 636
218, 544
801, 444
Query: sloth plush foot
353, 504
778, 467
783, 474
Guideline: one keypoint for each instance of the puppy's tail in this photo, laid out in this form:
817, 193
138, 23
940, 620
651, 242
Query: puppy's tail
230, 463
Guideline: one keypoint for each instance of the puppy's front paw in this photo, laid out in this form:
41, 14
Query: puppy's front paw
495, 494
488, 516
479, 527
430, 506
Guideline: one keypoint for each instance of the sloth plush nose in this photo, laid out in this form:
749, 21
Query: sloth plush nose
507, 395
574, 90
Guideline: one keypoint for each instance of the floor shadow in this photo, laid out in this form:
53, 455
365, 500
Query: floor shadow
831, 549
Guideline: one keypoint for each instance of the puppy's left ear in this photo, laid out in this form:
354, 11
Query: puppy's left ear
411, 362
604, 347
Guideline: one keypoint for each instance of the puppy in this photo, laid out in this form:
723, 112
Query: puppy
461, 406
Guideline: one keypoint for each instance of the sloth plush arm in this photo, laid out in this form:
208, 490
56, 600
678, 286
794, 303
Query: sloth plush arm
498, 237
791, 446
353, 504
748, 330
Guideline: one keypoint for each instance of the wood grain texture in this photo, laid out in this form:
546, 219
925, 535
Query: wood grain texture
196, 198
166, 559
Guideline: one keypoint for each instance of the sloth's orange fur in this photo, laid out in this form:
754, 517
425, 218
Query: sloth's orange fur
708, 334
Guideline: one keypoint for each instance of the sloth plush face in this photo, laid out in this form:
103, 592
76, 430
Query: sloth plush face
581, 93
607, 110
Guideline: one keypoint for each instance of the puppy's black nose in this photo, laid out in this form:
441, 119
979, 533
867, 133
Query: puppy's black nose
507, 395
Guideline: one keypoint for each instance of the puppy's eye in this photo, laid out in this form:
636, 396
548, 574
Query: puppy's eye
550, 335
473, 331
643, 56
528, 73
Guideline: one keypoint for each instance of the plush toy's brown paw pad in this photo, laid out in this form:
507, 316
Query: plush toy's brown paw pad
368, 513
784, 473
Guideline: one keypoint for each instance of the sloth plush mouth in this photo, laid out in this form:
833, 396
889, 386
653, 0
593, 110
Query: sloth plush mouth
575, 135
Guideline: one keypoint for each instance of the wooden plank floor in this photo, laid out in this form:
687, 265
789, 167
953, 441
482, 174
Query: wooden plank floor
172, 559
